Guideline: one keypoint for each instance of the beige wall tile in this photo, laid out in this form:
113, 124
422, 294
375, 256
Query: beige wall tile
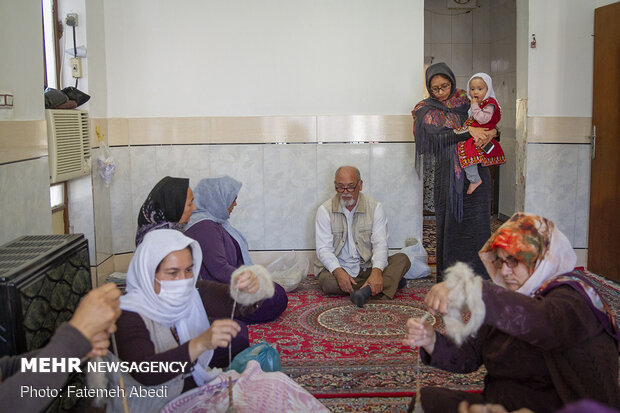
121, 261
365, 128
22, 139
262, 129
556, 129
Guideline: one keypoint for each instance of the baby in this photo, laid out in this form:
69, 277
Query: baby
484, 112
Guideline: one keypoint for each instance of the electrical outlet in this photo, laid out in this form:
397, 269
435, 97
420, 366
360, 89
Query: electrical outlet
76, 67
71, 19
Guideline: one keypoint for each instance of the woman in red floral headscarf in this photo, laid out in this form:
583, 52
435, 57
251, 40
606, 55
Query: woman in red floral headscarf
544, 334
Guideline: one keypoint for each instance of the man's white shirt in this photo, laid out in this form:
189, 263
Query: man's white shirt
349, 259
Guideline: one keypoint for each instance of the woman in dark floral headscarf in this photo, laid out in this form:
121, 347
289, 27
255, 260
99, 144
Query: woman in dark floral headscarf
169, 205
463, 220
543, 332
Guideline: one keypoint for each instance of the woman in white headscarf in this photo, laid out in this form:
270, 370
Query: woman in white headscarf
224, 248
170, 316
543, 332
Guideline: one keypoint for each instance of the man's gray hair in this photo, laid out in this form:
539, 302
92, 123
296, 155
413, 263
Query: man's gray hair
357, 171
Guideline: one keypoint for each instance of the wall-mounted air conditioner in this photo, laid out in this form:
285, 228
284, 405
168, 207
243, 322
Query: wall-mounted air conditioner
68, 142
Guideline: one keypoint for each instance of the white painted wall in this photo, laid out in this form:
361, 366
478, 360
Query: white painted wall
275, 57
560, 67
21, 61
24, 186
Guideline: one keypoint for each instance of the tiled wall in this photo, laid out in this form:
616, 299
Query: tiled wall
25, 199
558, 187
503, 59
460, 39
283, 184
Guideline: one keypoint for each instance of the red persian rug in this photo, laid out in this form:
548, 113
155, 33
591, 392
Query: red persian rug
336, 349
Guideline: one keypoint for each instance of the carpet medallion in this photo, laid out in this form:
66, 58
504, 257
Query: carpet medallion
336, 349
340, 352
379, 321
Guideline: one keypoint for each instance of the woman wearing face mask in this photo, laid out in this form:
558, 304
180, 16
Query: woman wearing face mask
170, 316
224, 248
540, 328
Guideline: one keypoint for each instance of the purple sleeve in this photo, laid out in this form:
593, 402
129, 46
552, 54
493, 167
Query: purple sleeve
550, 322
482, 115
212, 239
449, 357
134, 344
66, 342
218, 302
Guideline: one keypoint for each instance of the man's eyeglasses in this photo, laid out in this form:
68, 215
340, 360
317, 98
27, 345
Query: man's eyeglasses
349, 188
437, 89
510, 261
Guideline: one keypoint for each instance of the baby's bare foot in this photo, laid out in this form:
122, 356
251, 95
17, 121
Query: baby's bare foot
472, 186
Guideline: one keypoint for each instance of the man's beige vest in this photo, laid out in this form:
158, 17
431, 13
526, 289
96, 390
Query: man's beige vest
362, 226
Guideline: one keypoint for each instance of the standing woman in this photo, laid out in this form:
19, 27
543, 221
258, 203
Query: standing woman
463, 220
169, 205
224, 248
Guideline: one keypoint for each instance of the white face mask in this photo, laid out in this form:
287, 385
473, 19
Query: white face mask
175, 293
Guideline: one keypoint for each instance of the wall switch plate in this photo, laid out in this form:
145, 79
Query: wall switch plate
6, 100
76, 67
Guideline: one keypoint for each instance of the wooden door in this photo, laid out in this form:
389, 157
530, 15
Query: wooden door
604, 227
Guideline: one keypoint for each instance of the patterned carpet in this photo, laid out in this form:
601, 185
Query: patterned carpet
335, 349
352, 359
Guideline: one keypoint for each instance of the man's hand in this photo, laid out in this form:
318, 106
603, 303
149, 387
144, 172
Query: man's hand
97, 311
375, 281
345, 281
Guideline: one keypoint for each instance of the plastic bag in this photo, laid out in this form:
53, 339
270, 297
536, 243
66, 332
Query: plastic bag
106, 165
419, 258
263, 353
288, 270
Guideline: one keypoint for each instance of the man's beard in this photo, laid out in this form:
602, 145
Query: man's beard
347, 203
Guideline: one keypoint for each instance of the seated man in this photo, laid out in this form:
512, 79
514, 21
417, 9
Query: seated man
351, 243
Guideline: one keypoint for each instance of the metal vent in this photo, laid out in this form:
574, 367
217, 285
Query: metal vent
68, 136
24, 251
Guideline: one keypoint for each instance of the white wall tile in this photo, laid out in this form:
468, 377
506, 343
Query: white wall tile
442, 52
462, 28
396, 185
102, 210
81, 212
428, 23
332, 156
441, 28
582, 196
184, 161
481, 58
124, 224
245, 164
462, 64
290, 196
507, 178
481, 24
552, 186
25, 200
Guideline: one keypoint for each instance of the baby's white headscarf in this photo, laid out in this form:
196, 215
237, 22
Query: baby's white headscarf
490, 91
189, 319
